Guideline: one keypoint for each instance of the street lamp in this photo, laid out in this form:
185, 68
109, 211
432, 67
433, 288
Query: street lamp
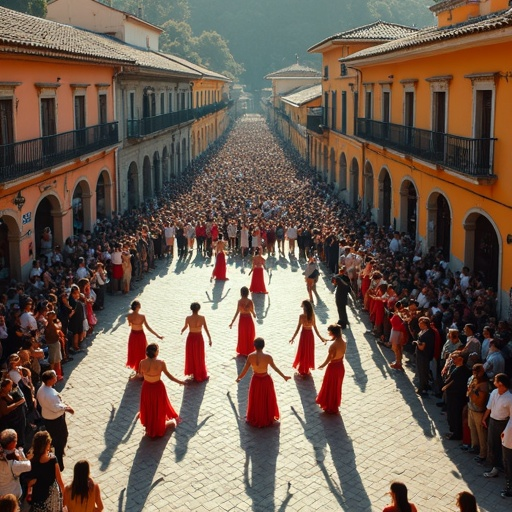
19, 200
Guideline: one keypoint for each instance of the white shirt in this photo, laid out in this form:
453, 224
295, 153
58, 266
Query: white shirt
507, 433
52, 407
500, 405
28, 322
10, 469
292, 233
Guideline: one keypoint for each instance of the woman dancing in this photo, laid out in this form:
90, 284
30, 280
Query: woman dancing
262, 409
219, 271
329, 397
156, 411
305, 358
257, 280
246, 329
195, 364
137, 341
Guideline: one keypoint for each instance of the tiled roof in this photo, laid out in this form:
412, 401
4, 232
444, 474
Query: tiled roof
377, 31
295, 71
432, 35
21, 33
200, 69
304, 96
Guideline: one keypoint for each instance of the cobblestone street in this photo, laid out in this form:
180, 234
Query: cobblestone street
213, 461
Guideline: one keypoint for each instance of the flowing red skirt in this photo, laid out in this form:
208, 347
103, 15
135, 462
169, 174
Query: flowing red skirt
137, 344
262, 408
246, 335
155, 408
194, 357
257, 281
305, 358
329, 397
219, 272
117, 271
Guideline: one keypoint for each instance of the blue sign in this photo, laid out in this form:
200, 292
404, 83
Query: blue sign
26, 218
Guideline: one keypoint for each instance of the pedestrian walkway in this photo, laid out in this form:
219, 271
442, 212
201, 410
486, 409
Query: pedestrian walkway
213, 461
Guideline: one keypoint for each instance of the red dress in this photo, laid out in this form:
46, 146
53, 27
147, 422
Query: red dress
262, 408
155, 408
305, 358
246, 334
329, 397
219, 272
137, 344
257, 281
194, 357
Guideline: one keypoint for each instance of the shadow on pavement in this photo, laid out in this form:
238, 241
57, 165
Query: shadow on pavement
140, 482
122, 423
217, 294
191, 404
261, 306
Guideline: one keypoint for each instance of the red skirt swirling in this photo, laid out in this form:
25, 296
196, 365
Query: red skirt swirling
262, 409
329, 397
195, 363
246, 334
305, 357
155, 408
137, 344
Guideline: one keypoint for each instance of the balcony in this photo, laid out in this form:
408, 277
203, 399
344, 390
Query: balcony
23, 158
206, 110
472, 157
315, 119
137, 128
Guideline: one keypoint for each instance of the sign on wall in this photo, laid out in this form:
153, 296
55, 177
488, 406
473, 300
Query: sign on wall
26, 218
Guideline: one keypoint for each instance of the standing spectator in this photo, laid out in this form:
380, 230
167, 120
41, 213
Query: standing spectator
495, 362
506, 440
12, 463
117, 268
478, 395
83, 494
291, 234
400, 501
466, 502
495, 420
342, 284
424, 354
53, 411
455, 390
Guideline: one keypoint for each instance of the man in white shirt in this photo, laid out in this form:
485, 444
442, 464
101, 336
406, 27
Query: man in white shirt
27, 321
495, 419
291, 234
53, 411
506, 441
15, 464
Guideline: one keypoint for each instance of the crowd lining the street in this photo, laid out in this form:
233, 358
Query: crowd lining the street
262, 197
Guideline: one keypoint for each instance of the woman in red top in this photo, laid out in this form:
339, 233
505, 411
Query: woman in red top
398, 493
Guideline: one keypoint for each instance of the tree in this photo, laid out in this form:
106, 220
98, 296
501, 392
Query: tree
34, 7
216, 56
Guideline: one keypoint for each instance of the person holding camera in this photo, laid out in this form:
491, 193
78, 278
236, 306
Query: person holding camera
12, 463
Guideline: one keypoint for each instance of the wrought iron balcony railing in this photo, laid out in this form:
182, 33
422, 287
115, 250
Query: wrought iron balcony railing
22, 158
473, 157
141, 127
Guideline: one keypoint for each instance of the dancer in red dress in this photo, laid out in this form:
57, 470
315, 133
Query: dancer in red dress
257, 280
246, 329
329, 397
156, 411
219, 271
305, 358
262, 409
195, 364
137, 341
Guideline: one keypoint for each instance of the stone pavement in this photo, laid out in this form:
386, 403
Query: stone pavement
213, 461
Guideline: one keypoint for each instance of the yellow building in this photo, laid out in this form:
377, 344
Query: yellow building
421, 138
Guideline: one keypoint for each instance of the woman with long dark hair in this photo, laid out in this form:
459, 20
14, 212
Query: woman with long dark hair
466, 502
400, 502
83, 494
305, 358
45, 483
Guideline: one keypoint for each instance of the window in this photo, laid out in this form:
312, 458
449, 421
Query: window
131, 105
334, 110
6, 132
409, 109
102, 108
343, 111
386, 106
170, 102
162, 103
326, 72
326, 109
48, 125
368, 101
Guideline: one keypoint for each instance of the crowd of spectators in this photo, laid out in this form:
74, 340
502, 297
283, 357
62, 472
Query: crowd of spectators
258, 195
